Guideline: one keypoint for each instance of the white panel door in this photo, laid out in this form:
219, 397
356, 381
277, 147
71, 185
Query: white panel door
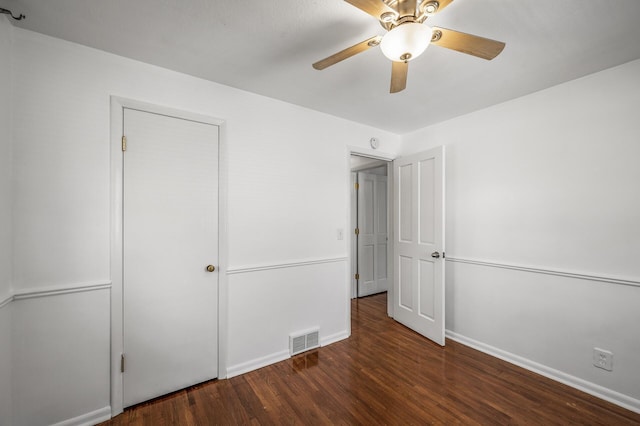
419, 243
372, 237
170, 237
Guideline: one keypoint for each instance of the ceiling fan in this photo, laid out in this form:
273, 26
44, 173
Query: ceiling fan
408, 36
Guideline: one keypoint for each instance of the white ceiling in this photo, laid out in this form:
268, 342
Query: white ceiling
267, 47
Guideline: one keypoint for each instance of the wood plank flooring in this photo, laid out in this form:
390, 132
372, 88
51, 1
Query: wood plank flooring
383, 374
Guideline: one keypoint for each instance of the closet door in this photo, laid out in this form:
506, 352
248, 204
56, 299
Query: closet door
170, 237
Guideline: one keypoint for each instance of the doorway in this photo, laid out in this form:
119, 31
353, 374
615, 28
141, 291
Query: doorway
371, 254
416, 186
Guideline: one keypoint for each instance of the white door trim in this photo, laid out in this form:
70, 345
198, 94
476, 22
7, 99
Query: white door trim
116, 210
369, 153
376, 155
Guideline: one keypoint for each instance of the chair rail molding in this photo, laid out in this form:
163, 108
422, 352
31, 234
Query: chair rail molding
545, 271
289, 264
4, 302
55, 291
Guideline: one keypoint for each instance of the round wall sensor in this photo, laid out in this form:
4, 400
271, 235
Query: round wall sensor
375, 143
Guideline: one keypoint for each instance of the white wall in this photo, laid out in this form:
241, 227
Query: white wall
5, 158
288, 180
61, 357
6, 408
310, 297
548, 181
6, 258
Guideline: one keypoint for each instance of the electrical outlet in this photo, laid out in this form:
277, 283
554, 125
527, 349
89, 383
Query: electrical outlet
603, 359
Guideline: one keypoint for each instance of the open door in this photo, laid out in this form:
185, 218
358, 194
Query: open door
419, 243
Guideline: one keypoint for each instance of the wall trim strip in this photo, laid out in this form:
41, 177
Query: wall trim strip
57, 290
575, 382
535, 270
6, 301
327, 340
254, 364
87, 419
292, 264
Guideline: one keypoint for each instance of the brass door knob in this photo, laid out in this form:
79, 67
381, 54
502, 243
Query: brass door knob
211, 268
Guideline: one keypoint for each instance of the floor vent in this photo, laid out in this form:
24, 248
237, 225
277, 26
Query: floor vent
304, 341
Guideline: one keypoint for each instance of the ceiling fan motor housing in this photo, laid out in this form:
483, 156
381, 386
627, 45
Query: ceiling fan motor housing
407, 11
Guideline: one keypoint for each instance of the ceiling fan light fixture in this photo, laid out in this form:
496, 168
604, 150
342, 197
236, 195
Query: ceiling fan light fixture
406, 42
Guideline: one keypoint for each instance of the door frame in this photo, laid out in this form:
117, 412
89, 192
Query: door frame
116, 227
374, 155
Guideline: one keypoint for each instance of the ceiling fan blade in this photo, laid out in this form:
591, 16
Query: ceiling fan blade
467, 43
375, 8
347, 53
399, 72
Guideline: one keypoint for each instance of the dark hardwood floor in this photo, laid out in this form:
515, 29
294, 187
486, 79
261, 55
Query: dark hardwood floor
384, 374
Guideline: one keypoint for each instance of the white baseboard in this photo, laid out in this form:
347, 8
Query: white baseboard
88, 419
327, 340
591, 388
254, 364
245, 367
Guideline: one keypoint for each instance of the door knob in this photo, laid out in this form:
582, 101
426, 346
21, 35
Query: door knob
435, 254
211, 268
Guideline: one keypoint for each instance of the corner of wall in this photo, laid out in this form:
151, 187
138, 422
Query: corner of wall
6, 166
6, 401
6, 222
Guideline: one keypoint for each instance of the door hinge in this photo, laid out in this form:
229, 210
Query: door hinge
357, 185
357, 276
124, 143
122, 363
357, 231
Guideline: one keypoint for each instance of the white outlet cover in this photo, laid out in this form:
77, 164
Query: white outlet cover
603, 359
